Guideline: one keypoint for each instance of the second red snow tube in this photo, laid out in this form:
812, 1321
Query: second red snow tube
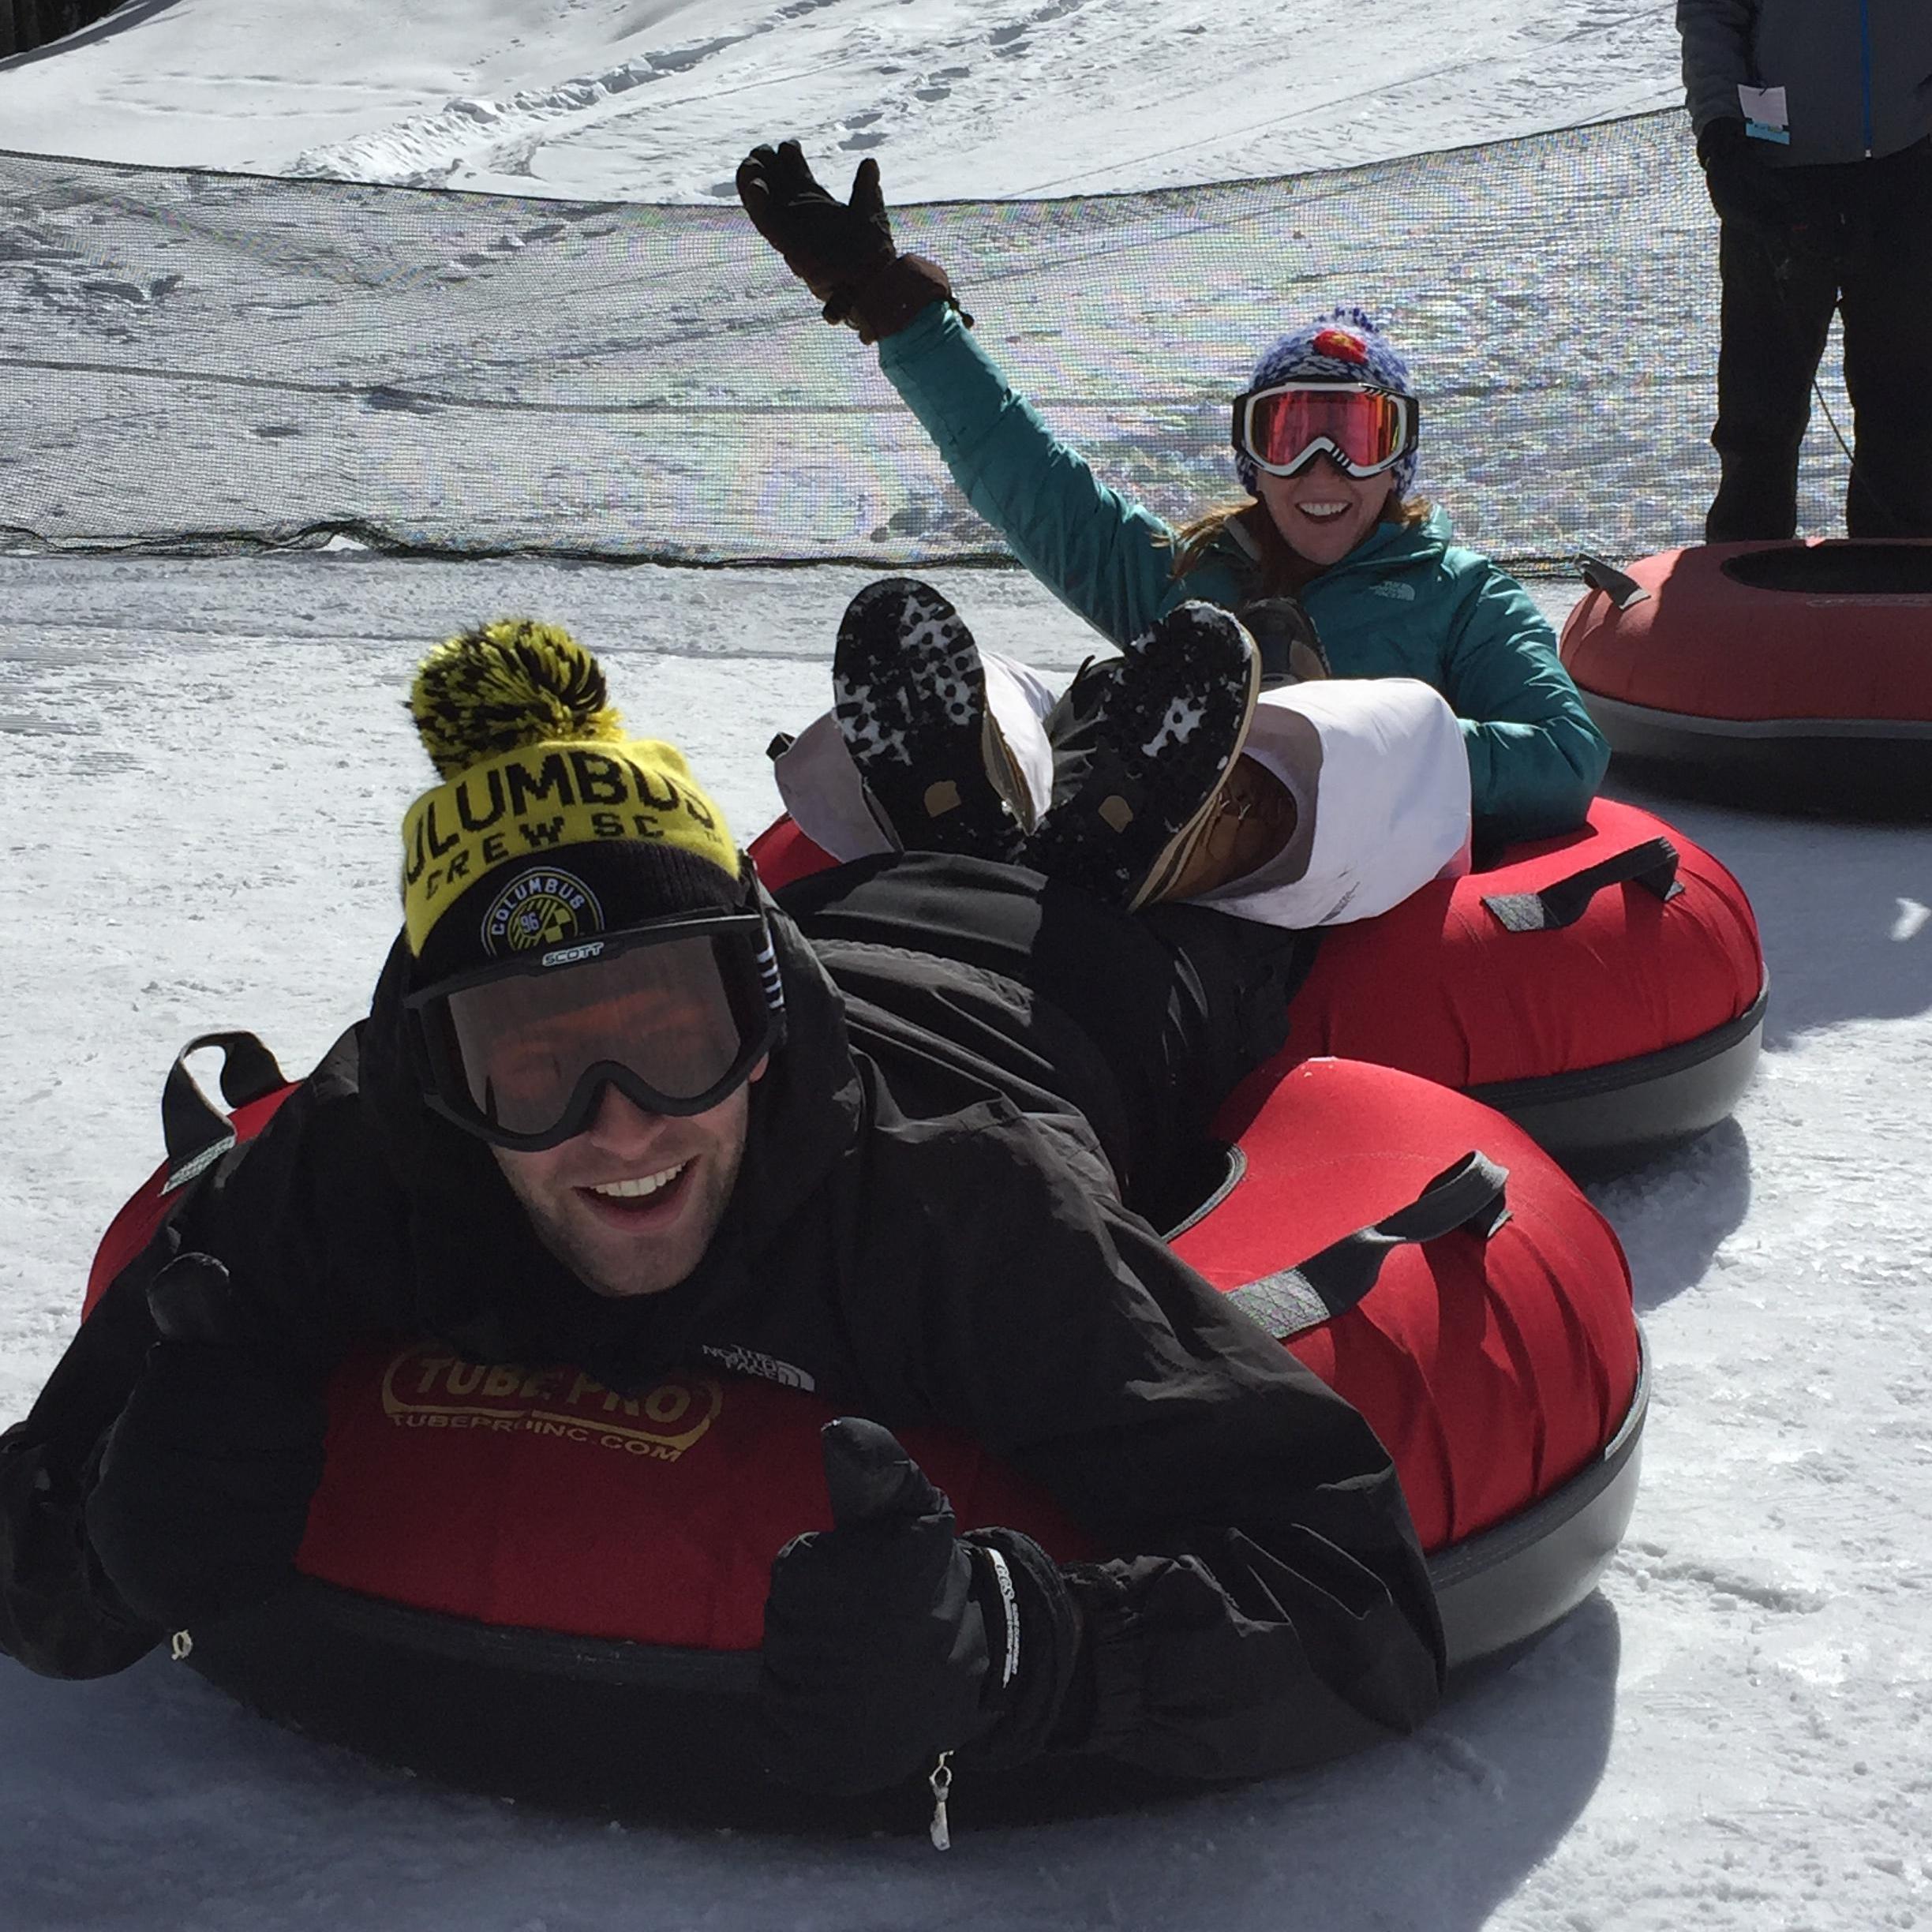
1605, 988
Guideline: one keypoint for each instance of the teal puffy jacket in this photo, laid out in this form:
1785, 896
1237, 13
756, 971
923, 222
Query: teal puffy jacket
1404, 603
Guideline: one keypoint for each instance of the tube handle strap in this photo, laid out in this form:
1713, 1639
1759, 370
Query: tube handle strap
195, 1132
1467, 1196
1600, 573
1652, 864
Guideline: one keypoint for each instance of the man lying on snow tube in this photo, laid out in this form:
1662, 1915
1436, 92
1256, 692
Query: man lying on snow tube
1604, 984
511, 1573
613, 1107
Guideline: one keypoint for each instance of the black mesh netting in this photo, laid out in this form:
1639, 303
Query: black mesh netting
193, 359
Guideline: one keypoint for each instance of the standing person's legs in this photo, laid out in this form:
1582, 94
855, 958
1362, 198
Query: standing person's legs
1888, 346
1776, 312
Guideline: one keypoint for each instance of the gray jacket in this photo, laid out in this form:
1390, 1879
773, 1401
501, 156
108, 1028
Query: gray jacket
1857, 73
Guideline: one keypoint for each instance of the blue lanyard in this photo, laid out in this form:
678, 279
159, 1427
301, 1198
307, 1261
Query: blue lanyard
1865, 71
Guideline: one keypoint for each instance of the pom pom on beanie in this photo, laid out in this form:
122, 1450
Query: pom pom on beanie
504, 685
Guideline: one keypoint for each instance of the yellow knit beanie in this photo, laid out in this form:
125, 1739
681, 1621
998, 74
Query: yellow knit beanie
549, 822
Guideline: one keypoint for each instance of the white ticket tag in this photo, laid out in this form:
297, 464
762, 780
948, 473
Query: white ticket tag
1766, 117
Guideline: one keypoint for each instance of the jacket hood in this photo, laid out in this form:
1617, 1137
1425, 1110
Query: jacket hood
482, 1281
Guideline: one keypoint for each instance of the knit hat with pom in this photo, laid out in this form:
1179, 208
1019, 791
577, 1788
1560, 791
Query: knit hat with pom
550, 824
1343, 346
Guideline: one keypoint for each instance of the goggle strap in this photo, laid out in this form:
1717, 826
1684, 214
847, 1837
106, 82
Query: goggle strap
769, 976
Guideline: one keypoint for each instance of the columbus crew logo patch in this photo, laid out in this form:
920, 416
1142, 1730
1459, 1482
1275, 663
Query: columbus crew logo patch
542, 907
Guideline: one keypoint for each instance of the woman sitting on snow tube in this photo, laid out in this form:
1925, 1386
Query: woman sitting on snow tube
1324, 440
1605, 986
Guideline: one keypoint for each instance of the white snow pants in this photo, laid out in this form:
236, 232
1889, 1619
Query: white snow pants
1376, 765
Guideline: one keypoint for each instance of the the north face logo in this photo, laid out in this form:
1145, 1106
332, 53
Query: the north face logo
1402, 593
750, 1362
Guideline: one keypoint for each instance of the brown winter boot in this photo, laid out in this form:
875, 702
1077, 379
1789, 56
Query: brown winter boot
1253, 818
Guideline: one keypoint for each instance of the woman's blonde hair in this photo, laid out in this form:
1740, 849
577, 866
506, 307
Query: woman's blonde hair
1279, 559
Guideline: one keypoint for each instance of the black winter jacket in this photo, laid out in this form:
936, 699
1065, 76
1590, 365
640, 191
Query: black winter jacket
926, 1223
1857, 74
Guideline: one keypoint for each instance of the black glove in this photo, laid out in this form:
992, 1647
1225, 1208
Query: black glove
842, 251
888, 1639
202, 1491
1790, 209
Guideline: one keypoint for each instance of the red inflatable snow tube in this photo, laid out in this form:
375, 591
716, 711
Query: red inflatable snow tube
1783, 673
1605, 989
512, 1573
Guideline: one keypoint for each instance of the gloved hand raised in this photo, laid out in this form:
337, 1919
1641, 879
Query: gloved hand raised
202, 1492
842, 251
890, 1639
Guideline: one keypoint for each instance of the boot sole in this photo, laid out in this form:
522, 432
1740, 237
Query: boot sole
909, 697
1177, 718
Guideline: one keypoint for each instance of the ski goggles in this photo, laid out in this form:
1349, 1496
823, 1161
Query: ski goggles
1286, 426
674, 1014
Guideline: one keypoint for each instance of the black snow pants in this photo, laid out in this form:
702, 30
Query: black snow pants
1182, 1002
1875, 263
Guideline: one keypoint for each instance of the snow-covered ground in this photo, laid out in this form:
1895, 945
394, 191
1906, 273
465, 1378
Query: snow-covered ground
1736, 1731
206, 763
655, 100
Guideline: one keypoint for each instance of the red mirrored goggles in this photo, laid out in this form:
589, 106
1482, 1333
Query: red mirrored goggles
674, 1014
1285, 427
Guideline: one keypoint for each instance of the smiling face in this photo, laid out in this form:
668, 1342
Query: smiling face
1322, 512
630, 1204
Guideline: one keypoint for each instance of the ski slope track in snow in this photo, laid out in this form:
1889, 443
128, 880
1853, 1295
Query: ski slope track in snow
463, 373
206, 763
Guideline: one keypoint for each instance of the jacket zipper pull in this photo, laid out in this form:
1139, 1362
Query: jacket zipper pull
941, 1783
180, 1646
